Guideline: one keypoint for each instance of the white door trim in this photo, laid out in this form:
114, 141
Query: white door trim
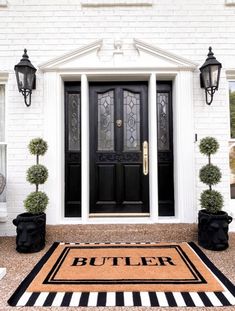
153, 171
183, 140
183, 131
85, 155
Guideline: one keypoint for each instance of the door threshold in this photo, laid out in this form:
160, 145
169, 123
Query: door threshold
97, 215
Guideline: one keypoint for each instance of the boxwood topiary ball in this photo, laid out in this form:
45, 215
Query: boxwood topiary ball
37, 174
211, 200
210, 174
38, 146
208, 146
36, 202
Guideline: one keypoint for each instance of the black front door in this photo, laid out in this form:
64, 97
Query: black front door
119, 180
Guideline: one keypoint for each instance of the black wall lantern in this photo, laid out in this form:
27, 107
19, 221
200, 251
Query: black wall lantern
26, 78
209, 76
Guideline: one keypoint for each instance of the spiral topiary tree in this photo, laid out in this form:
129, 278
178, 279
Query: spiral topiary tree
211, 200
36, 202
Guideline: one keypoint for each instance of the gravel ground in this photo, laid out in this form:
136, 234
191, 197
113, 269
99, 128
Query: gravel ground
19, 265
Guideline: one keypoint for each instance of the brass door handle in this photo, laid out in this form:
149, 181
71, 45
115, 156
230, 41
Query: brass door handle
145, 158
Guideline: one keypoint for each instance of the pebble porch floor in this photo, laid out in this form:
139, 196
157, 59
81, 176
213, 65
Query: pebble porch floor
19, 265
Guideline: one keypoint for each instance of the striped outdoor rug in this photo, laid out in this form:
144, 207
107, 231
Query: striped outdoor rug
124, 274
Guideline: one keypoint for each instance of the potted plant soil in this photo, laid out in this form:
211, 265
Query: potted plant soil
31, 225
213, 223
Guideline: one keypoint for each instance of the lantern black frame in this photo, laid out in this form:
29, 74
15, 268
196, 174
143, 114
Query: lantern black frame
205, 69
26, 78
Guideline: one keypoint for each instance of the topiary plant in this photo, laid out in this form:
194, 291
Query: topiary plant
37, 146
37, 174
210, 174
36, 202
208, 146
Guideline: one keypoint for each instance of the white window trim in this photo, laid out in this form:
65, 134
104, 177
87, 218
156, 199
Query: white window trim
230, 2
3, 81
110, 3
230, 75
231, 140
231, 78
3, 3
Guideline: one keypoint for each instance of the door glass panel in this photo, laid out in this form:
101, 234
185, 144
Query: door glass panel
74, 121
131, 124
163, 121
106, 121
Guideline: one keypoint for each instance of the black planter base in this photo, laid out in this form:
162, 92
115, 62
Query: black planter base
213, 230
30, 231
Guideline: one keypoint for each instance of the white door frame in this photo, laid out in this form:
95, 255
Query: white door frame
183, 137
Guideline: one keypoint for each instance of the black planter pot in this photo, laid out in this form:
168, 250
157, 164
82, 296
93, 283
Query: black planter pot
213, 230
31, 231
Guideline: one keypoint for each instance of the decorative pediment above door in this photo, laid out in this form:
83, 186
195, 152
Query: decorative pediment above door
142, 56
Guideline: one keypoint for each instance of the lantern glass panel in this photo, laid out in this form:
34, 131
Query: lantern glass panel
206, 77
20, 78
29, 78
25, 78
214, 75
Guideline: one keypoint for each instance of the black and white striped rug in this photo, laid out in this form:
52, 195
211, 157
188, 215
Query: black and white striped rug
175, 298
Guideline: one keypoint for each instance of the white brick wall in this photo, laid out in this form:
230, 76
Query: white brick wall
49, 28
102, 3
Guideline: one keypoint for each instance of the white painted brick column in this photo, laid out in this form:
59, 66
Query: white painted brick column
53, 134
85, 148
184, 168
153, 171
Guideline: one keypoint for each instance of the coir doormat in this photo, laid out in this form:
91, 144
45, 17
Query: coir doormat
124, 274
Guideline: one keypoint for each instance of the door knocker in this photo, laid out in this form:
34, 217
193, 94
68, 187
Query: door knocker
119, 123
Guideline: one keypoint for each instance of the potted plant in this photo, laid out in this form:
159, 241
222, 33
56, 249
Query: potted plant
31, 226
212, 221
